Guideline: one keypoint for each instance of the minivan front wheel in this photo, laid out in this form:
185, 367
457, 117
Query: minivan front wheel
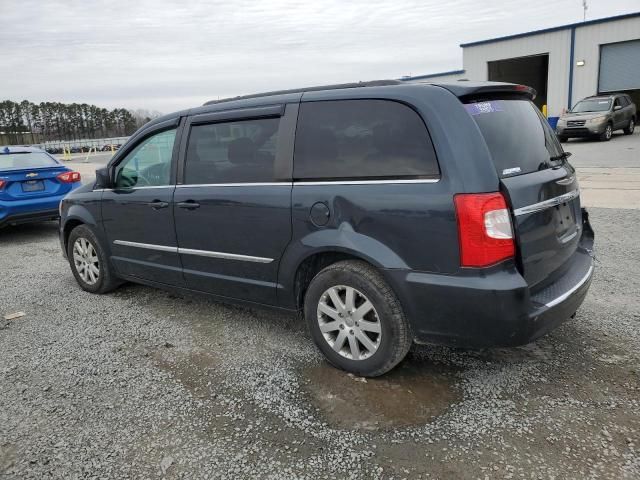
356, 320
89, 262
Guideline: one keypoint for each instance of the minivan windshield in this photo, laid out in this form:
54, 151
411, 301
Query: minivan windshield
18, 160
519, 138
592, 105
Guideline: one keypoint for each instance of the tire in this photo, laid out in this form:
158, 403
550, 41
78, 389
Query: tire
562, 138
392, 342
607, 134
631, 127
85, 240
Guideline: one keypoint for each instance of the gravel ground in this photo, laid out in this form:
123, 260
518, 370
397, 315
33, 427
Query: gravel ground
146, 384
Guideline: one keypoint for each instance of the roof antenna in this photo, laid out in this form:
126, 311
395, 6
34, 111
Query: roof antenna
584, 10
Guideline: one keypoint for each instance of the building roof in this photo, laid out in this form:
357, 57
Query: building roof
552, 29
520, 35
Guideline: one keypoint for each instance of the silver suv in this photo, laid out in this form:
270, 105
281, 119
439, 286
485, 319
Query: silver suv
598, 116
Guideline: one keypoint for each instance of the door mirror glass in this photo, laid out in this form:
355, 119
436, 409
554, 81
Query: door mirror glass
148, 164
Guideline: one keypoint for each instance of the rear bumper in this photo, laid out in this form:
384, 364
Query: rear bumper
31, 210
490, 307
29, 217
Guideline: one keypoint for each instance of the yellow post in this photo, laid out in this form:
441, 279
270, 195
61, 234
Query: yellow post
113, 150
66, 153
544, 110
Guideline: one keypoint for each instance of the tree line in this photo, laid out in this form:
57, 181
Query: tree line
27, 122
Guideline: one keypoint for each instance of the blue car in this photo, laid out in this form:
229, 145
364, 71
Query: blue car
32, 183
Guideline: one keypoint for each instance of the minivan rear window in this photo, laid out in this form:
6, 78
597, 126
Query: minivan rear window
362, 139
18, 160
519, 138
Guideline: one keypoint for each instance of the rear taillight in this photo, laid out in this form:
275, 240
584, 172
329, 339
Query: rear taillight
69, 177
2, 184
484, 229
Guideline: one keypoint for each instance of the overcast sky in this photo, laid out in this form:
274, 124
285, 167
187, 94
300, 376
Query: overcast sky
169, 55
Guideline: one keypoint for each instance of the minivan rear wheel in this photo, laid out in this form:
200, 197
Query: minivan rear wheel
89, 262
356, 320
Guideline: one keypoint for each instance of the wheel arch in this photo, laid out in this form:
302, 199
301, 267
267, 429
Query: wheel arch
304, 263
75, 216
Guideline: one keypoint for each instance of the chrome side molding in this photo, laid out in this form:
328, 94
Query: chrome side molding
190, 251
226, 256
282, 184
367, 182
255, 184
148, 246
552, 202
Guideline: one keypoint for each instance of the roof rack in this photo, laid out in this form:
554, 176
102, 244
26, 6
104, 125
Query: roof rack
374, 83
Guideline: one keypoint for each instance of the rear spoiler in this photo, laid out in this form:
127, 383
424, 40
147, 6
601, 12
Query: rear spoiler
465, 90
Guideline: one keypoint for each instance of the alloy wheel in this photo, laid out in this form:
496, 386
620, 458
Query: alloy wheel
85, 260
349, 322
608, 132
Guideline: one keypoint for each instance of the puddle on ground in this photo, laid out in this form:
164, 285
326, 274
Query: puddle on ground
194, 371
412, 394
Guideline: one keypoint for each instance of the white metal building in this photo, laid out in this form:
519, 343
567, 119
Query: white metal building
564, 64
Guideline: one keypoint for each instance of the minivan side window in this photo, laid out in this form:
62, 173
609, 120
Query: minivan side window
362, 139
232, 152
149, 163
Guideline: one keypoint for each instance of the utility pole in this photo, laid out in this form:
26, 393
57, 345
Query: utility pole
584, 10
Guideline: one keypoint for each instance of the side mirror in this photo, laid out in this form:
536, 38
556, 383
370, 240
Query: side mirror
103, 180
617, 107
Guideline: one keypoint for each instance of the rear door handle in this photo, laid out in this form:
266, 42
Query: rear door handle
158, 204
189, 205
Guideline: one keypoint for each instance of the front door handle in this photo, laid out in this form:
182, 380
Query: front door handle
189, 205
158, 204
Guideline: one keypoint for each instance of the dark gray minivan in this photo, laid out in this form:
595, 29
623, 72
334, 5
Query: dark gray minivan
386, 212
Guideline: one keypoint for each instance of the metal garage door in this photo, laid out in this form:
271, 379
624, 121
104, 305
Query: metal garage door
619, 66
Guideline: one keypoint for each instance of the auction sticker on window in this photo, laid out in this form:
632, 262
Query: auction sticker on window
483, 107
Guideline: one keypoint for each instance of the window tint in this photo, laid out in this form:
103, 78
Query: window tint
366, 139
149, 164
519, 138
233, 152
617, 103
16, 160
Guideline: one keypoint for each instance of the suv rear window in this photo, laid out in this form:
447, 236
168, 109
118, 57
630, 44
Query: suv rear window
362, 139
18, 160
519, 138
